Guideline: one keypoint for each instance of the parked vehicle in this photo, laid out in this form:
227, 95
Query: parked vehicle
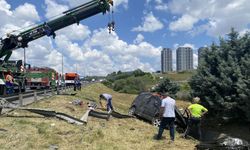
40, 77
70, 78
147, 106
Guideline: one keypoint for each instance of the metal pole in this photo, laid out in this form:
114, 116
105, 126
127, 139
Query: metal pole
62, 65
35, 96
45, 93
20, 100
24, 58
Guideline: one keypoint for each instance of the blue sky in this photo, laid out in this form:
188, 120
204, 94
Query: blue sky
143, 28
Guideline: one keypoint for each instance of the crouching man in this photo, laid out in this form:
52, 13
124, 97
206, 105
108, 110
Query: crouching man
108, 99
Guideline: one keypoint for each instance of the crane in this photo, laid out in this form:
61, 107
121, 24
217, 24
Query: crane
69, 17
16, 40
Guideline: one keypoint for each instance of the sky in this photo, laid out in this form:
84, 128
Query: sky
142, 29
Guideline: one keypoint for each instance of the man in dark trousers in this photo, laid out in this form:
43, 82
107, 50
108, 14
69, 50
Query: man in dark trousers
195, 111
167, 114
108, 99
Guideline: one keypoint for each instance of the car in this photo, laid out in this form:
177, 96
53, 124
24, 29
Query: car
147, 106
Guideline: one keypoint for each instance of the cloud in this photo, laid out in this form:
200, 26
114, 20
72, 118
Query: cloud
5, 7
54, 9
139, 38
113, 45
26, 15
157, 4
22, 14
76, 32
150, 24
160, 5
74, 3
184, 23
215, 18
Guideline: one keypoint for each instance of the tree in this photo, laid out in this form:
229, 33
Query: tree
167, 86
222, 80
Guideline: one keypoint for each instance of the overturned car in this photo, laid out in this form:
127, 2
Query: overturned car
147, 106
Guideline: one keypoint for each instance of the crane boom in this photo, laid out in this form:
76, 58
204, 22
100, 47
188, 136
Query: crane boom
75, 15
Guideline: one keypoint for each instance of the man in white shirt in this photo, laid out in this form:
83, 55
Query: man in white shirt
108, 99
167, 112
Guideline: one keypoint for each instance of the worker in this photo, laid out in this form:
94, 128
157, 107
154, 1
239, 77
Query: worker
75, 83
108, 99
79, 85
195, 111
9, 83
167, 114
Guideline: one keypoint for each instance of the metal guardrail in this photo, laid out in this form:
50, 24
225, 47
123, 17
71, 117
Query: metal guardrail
36, 93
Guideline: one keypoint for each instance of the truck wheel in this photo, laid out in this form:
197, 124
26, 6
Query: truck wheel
2, 90
131, 111
156, 121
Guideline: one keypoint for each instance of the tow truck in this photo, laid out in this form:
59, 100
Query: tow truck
20, 39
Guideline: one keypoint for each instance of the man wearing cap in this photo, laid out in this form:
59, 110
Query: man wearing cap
167, 112
108, 99
195, 111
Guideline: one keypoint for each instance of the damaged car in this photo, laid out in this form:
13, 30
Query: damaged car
147, 106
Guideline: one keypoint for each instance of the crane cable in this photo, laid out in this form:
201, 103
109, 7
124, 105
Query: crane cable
111, 22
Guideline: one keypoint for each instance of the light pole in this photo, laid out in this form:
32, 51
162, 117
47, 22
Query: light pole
62, 64
76, 68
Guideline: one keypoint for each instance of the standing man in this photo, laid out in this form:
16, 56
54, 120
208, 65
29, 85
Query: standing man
108, 99
195, 111
9, 82
167, 112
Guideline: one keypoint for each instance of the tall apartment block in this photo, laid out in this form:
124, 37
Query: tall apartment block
166, 60
184, 59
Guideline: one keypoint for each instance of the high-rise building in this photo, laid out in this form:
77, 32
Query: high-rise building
166, 60
184, 59
200, 53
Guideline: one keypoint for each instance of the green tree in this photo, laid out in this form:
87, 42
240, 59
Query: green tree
222, 80
166, 85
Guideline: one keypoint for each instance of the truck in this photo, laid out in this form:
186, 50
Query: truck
20, 38
40, 77
70, 78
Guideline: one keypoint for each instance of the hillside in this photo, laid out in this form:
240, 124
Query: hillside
178, 76
23, 130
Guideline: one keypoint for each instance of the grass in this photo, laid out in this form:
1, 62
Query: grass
178, 76
30, 131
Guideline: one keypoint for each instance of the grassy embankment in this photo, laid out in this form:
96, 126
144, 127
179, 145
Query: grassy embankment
25, 130
178, 76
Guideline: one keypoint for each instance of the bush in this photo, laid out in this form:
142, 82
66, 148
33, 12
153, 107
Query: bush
132, 82
167, 86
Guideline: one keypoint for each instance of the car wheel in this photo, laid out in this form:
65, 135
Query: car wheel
131, 111
156, 121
